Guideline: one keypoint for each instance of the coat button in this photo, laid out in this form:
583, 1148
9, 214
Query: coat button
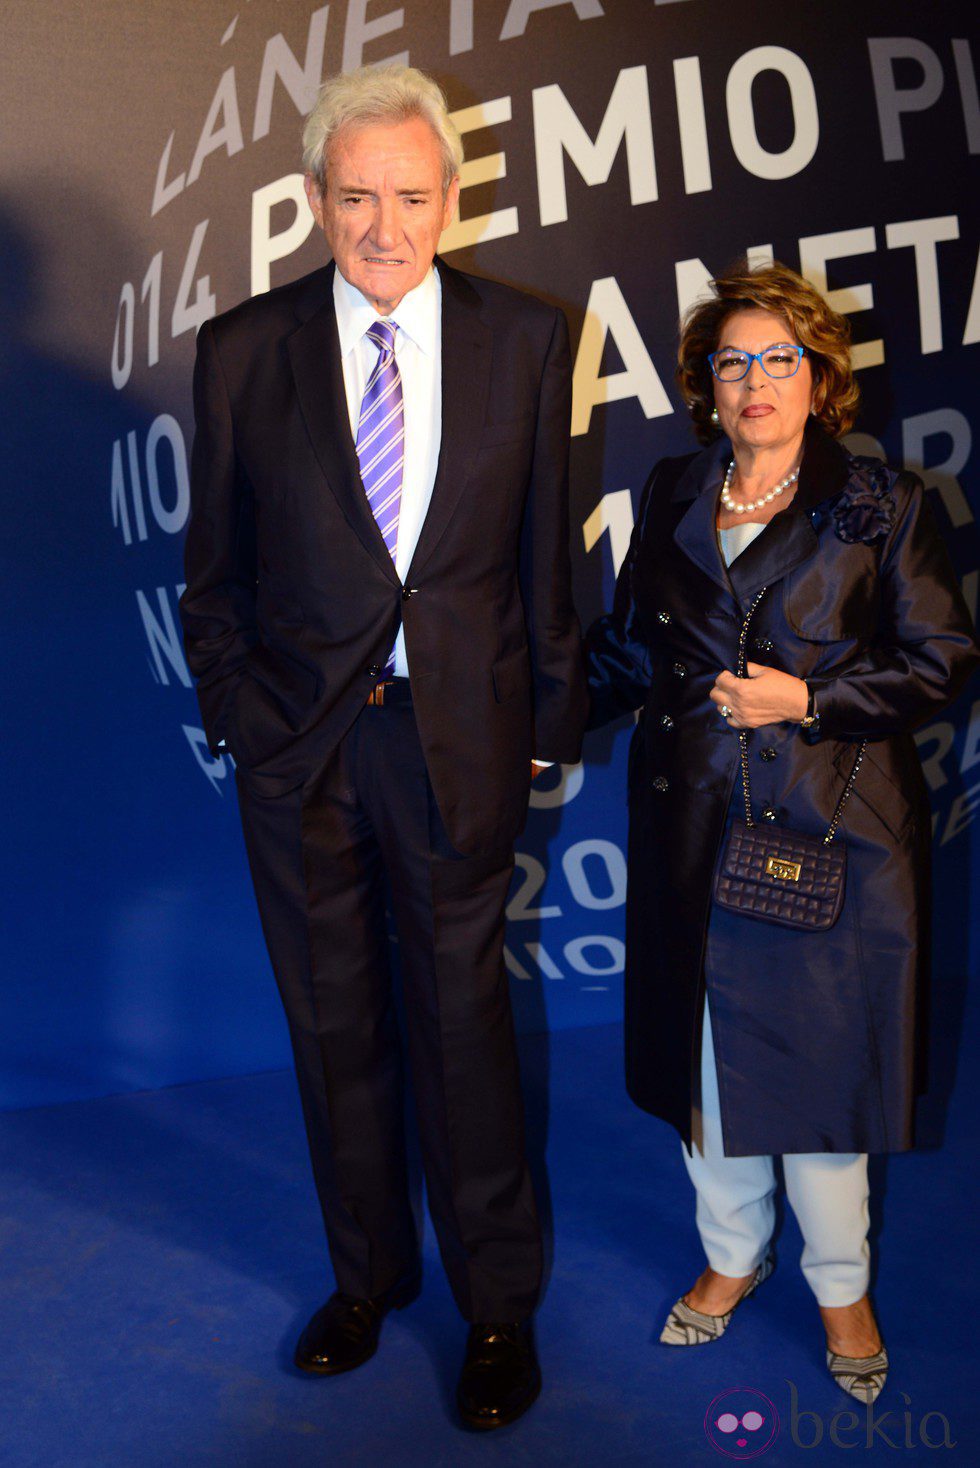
660, 784
763, 644
408, 591
374, 671
767, 753
667, 723
768, 814
663, 618
679, 670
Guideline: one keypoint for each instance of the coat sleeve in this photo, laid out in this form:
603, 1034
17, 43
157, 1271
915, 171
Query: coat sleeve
926, 646
617, 656
218, 606
554, 635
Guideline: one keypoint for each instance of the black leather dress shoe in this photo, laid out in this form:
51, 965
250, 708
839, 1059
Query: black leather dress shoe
344, 1332
500, 1376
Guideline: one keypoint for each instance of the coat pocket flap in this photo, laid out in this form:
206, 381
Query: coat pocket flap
875, 789
831, 617
294, 686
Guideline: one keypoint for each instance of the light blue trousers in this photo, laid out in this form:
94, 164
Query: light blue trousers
828, 1192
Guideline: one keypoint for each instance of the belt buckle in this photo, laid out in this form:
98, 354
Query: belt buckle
376, 697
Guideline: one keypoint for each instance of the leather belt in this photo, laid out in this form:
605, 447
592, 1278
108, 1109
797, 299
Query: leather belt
392, 690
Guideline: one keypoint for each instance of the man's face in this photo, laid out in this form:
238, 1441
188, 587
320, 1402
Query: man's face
383, 208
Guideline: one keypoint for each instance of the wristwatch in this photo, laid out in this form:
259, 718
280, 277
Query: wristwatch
812, 716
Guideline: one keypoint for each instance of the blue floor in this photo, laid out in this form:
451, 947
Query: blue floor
161, 1252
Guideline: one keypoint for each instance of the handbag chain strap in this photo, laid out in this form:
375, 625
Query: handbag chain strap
743, 740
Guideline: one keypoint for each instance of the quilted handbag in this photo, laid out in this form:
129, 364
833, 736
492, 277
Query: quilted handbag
779, 875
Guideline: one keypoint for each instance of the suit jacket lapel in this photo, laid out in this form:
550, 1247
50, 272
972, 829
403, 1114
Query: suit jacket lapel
314, 354
466, 354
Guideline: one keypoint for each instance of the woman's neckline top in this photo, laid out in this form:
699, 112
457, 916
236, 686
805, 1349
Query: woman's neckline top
734, 540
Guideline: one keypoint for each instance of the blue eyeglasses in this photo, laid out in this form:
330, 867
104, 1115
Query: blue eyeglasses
779, 360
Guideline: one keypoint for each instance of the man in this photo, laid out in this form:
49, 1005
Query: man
378, 613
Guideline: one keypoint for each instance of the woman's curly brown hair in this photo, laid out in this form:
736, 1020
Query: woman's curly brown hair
825, 334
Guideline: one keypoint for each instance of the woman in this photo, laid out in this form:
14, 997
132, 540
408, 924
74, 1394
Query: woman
754, 1038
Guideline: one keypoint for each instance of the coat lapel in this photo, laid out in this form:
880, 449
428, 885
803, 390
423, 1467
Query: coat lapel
790, 539
466, 354
695, 532
314, 354
784, 544
787, 541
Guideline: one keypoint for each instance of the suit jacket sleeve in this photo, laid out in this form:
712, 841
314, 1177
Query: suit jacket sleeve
616, 653
926, 647
545, 570
218, 606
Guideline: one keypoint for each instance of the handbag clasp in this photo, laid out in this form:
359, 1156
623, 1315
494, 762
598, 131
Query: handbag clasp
783, 871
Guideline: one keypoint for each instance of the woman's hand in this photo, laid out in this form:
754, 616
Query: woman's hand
766, 696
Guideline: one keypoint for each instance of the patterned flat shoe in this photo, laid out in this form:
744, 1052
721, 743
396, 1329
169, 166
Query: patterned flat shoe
688, 1327
861, 1376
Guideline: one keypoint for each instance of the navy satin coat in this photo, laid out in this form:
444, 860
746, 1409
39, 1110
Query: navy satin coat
818, 1036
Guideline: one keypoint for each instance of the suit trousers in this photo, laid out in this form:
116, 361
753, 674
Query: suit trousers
828, 1192
322, 858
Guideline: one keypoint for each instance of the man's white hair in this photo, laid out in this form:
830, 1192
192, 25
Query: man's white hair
379, 94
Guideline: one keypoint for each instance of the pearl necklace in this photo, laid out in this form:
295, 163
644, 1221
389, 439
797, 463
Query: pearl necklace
730, 504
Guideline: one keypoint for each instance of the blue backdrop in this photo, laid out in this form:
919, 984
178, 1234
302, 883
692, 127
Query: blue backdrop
620, 152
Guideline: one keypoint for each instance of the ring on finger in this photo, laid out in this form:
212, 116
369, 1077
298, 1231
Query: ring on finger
725, 711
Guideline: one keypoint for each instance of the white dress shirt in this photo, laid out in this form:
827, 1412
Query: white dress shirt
418, 352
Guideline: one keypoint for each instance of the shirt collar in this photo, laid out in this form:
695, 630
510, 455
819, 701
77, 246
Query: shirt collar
417, 313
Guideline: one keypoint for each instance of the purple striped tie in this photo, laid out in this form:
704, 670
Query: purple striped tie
381, 440
381, 435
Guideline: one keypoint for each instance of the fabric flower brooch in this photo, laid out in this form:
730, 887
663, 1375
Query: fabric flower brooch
865, 510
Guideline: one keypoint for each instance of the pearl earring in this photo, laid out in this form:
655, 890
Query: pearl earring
714, 417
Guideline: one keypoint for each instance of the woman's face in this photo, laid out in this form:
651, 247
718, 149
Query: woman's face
762, 412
